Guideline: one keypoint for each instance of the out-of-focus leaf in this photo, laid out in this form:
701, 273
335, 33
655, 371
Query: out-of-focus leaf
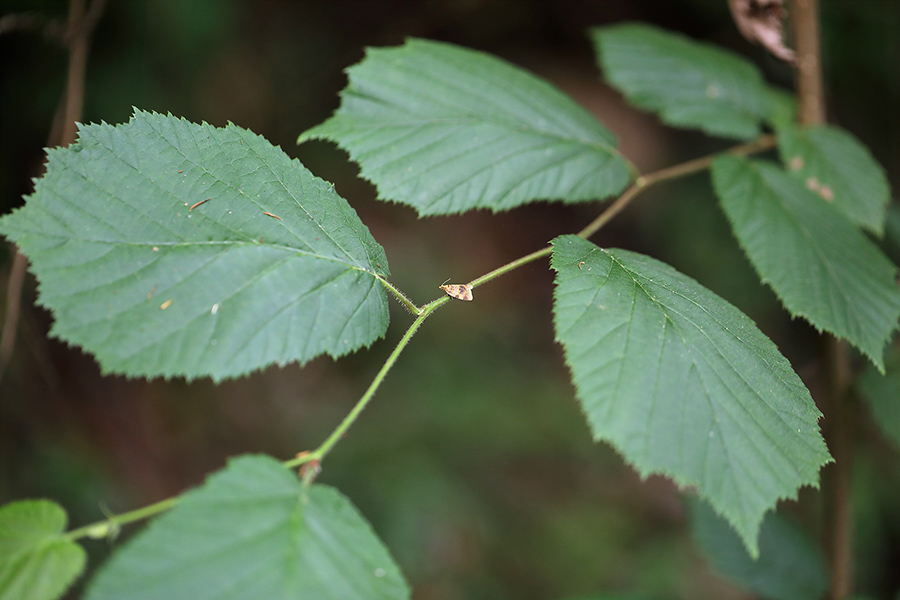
784, 108
883, 395
169, 248
789, 566
836, 166
36, 561
688, 84
820, 266
682, 383
252, 531
447, 129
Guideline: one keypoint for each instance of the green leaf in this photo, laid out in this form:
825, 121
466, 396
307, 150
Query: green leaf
153, 287
252, 531
682, 383
446, 129
882, 392
687, 83
836, 166
790, 566
821, 267
36, 560
784, 108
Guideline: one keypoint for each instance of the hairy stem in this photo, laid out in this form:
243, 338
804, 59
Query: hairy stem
319, 453
409, 304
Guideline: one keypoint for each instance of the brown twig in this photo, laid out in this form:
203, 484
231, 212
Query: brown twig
810, 87
78, 34
838, 426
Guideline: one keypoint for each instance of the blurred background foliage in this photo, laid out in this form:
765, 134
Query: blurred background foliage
473, 463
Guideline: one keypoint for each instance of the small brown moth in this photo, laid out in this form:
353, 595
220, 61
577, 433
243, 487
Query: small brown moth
459, 291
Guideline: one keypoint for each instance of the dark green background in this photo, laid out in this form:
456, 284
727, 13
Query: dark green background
473, 463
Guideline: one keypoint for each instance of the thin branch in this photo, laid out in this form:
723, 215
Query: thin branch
406, 302
13, 304
838, 425
62, 133
810, 86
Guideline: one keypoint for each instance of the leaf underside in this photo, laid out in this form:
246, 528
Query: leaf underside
820, 266
154, 251
446, 129
682, 383
252, 531
686, 83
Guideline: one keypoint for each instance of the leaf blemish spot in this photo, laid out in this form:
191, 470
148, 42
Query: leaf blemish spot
271, 215
198, 204
165, 305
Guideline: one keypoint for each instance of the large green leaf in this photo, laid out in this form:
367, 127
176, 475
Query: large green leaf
682, 383
836, 166
446, 129
789, 567
252, 531
820, 266
153, 285
687, 83
36, 561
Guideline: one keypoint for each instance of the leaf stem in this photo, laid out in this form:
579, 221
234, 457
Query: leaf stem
409, 304
111, 526
319, 453
764, 142
511, 266
690, 167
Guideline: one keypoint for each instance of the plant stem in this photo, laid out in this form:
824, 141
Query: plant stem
319, 453
103, 528
511, 266
111, 526
838, 426
77, 37
687, 168
810, 87
836, 477
409, 304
